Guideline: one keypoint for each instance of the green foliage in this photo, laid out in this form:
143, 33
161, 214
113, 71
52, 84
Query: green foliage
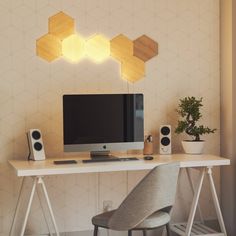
189, 110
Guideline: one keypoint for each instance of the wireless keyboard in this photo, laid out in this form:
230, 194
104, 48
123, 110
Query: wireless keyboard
109, 159
62, 162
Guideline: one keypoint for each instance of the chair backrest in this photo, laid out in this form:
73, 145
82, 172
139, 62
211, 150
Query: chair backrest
154, 192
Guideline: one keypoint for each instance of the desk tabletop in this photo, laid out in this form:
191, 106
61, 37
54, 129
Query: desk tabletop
47, 167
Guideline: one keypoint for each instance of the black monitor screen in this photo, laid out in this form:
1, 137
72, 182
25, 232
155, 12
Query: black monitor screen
102, 118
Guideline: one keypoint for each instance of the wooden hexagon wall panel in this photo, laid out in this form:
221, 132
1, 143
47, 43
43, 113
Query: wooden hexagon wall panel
61, 25
121, 47
48, 47
145, 48
131, 54
132, 69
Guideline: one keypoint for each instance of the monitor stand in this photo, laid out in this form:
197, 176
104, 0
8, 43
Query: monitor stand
101, 154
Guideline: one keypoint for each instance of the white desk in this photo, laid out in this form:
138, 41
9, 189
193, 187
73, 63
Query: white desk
205, 163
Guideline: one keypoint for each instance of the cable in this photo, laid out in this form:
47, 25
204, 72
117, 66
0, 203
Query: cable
128, 86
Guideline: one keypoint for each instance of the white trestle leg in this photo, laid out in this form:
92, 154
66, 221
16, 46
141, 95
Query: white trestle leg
37, 180
216, 201
195, 202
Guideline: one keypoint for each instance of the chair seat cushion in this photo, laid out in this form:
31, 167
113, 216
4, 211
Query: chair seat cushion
102, 219
153, 221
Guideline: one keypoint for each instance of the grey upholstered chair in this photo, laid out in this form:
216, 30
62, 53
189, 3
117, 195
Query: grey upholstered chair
147, 206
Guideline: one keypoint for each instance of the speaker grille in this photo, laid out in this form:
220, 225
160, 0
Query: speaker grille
38, 146
165, 141
165, 130
36, 135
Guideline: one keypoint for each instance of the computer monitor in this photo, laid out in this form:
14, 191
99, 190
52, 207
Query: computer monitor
103, 122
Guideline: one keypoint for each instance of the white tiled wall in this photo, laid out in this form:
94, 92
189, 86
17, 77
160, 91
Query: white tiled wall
31, 91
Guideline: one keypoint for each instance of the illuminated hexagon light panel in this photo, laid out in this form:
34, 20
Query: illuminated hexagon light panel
73, 48
98, 48
62, 41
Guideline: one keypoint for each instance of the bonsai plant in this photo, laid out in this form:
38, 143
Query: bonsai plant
189, 110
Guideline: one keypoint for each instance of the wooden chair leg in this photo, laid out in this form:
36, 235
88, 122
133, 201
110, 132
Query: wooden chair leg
168, 233
144, 232
130, 233
95, 231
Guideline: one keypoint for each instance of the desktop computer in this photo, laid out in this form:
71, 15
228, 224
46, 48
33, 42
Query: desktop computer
100, 123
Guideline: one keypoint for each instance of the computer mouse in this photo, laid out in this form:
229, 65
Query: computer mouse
148, 158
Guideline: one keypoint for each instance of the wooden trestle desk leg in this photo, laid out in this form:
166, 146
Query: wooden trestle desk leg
36, 180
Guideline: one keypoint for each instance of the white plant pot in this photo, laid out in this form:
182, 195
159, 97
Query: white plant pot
193, 147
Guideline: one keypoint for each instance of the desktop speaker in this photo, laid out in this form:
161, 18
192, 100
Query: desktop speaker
36, 147
165, 139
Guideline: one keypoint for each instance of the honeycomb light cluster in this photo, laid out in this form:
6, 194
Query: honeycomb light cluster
63, 41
